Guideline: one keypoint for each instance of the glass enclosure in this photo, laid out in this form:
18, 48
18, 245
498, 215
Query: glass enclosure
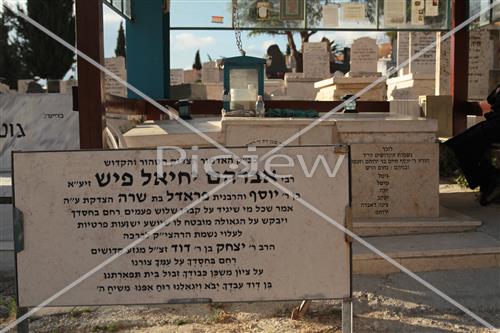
313, 14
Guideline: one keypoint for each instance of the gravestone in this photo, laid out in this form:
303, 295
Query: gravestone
481, 62
82, 207
67, 86
176, 76
36, 122
192, 76
316, 63
363, 72
443, 65
211, 73
425, 63
403, 51
117, 66
364, 57
4, 89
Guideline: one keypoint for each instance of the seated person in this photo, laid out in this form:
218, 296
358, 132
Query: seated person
470, 148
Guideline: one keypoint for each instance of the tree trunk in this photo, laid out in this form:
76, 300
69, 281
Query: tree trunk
294, 52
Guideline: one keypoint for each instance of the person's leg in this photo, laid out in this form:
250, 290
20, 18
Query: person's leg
469, 148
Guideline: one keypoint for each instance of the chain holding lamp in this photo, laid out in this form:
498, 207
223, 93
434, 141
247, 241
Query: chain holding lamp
243, 76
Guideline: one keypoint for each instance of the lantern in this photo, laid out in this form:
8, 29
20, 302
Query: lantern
243, 81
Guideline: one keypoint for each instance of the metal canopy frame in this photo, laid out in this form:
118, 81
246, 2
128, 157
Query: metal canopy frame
121, 7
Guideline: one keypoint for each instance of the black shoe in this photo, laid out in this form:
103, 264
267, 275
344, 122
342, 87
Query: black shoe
490, 191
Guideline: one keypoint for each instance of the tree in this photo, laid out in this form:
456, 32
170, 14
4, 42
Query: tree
247, 11
197, 61
10, 65
41, 55
120, 50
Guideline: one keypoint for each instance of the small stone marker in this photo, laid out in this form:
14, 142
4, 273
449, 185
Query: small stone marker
364, 56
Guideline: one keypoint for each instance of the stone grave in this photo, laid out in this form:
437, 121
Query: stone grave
482, 49
66, 87
421, 77
364, 59
31, 122
299, 87
176, 76
192, 76
117, 66
481, 64
211, 73
316, 66
316, 63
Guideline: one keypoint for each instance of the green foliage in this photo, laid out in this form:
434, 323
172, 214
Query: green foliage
197, 61
10, 303
182, 321
109, 328
120, 50
11, 68
40, 54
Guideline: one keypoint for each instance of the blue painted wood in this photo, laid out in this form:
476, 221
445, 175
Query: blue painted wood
148, 41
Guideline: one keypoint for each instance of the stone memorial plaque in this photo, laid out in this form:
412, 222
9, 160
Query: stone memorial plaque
246, 242
36, 122
394, 13
393, 180
176, 76
117, 66
481, 61
211, 73
425, 63
364, 55
403, 51
353, 11
316, 60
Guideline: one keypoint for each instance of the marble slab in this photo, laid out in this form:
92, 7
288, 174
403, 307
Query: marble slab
233, 246
395, 180
36, 122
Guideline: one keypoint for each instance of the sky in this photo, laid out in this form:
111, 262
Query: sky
212, 43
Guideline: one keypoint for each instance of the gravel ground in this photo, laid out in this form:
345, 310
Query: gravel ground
392, 303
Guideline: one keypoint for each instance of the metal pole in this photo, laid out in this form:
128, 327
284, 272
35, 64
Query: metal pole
347, 320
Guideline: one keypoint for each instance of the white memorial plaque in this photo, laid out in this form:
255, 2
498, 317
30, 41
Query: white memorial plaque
330, 16
115, 65
394, 13
393, 180
246, 242
353, 11
417, 12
